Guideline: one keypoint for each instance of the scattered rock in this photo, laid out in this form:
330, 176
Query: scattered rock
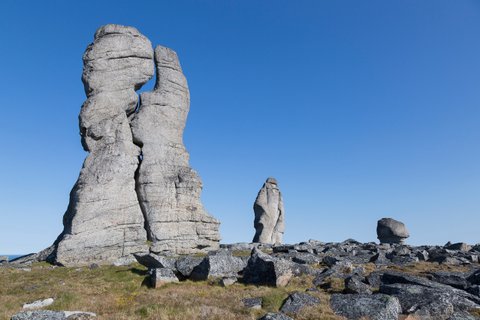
275, 316
252, 303
460, 246
226, 282
269, 214
54, 315
391, 231
218, 264
297, 301
185, 264
3, 259
38, 304
161, 276
153, 261
355, 284
372, 307
263, 269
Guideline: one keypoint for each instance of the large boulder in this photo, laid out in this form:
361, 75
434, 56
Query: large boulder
297, 301
366, 306
104, 221
391, 231
219, 264
263, 269
269, 214
168, 188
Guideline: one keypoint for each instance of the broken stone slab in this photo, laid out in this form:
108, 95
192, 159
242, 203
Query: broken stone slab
427, 303
269, 220
185, 264
454, 279
38, 304
275, 316
218, 264
296, 301
263, 269
228, 281
356, 284
153, 261
459, 246
372, 307
391, 231
53, 315
461, 297
162, 276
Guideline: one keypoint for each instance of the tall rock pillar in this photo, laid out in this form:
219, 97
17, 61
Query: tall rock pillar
104, 221
168, 189
269, 214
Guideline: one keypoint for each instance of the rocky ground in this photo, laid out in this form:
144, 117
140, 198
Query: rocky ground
310, 280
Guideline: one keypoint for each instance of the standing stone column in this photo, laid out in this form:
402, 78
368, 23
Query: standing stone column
104, 221
168, 189
269, 214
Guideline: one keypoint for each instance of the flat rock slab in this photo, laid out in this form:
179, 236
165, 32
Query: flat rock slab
54, 315
275, 316
297, 301
38, 304
360, 306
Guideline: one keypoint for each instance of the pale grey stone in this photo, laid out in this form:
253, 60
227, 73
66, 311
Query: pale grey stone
226, 282
218, 264
263, 269
297, 301
104, 221
269, 214
155, 261
38, 304
391, 231
275, 316
167, 187
366, 306
161, 276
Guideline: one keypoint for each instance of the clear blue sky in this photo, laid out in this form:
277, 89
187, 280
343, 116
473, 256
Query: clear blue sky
360, 109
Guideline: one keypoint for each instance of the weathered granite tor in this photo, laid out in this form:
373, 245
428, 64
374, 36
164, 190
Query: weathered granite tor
135, 184
391, 231
168, 189
269, 214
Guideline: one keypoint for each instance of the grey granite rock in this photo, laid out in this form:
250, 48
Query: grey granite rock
37, 304
161, 276
355, 284
361, 306
263, 269
296, 301
275, 316
54, 315
269, 214
153, 261
104, 221
252, 303
391, 231
168, 188
39, 315
186, 264
218, 265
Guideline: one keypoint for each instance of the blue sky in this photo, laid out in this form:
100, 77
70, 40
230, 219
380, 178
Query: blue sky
360, 109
